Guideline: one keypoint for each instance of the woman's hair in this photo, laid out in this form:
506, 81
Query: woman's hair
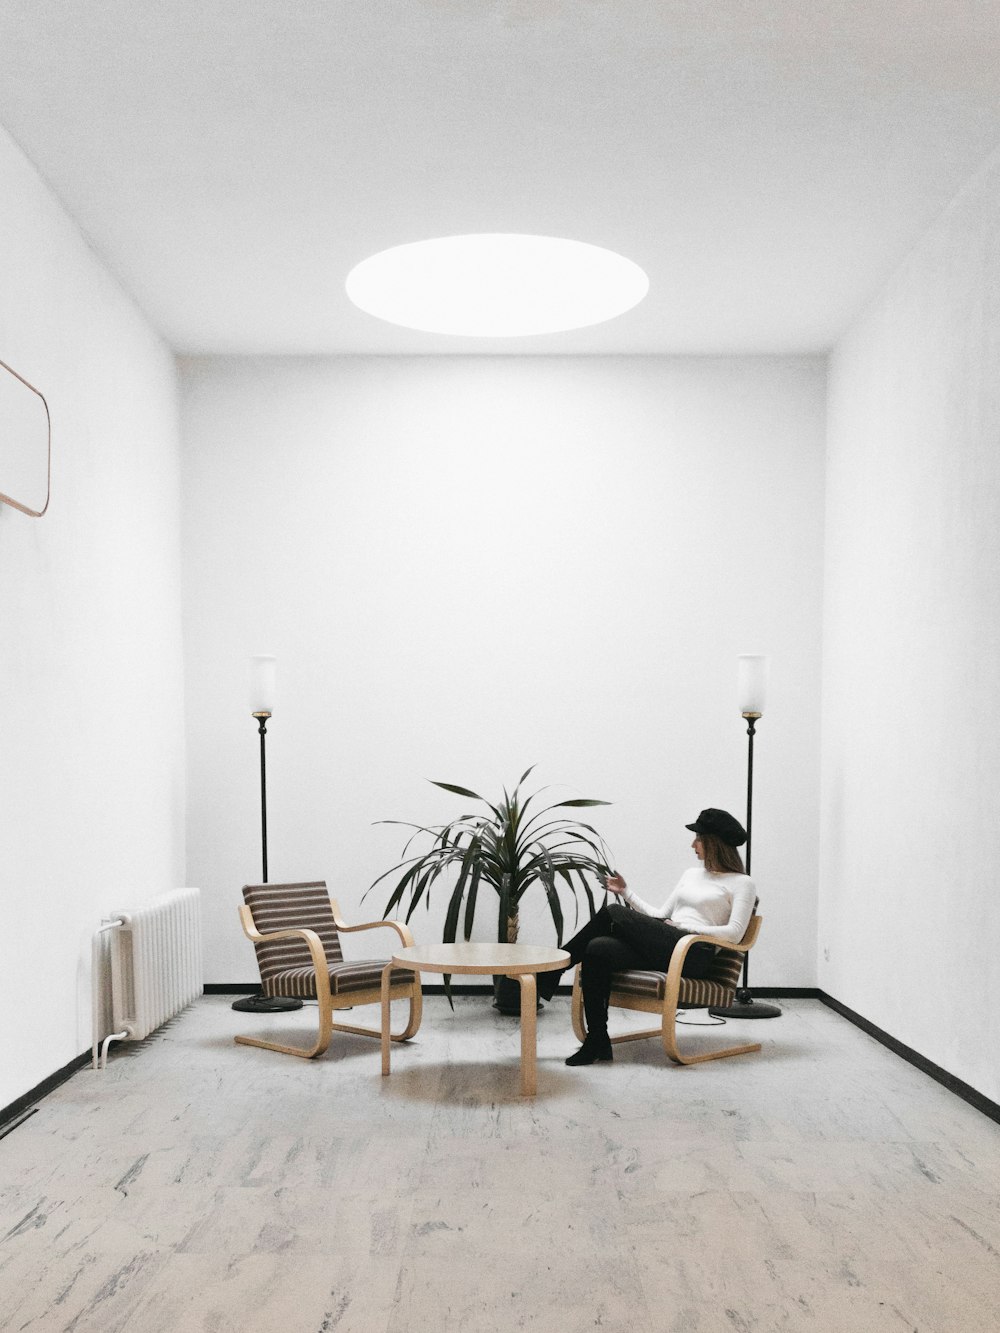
720, 857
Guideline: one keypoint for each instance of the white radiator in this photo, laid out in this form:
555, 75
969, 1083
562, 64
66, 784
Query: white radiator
153, 961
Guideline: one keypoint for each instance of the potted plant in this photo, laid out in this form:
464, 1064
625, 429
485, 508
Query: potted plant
508, 847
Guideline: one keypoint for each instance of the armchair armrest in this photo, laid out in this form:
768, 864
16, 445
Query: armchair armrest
682, 946
680, 953
742, 947
402, 930
312, 941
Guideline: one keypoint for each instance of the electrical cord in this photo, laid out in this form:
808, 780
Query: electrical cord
689, 1023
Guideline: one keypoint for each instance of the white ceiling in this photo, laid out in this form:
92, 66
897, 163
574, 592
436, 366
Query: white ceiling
767, 162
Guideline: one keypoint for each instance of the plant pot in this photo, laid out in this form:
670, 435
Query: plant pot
507, 996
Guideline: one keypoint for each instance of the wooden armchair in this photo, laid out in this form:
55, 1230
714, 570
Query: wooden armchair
295, 929
663, 993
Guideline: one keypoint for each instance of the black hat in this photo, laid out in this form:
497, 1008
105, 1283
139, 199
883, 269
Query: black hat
722, 824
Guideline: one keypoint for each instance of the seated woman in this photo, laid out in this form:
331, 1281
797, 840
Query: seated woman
716, 898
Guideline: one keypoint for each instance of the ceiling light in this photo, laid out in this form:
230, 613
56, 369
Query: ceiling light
496, 285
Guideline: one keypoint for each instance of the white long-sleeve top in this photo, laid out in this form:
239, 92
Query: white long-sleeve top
706, 903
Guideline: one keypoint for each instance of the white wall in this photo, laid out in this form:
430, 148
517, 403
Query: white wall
91, 758
909, 909
468, 565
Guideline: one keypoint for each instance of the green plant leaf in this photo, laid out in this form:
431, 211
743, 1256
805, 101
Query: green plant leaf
418, 889
577, 804
455, 902
450, 930
459, 791
401, 887
509, 847
504, 912
555, 907
470, 901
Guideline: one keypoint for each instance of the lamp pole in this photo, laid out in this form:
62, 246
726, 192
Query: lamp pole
262, 731
751, 720
262, 680
751, 689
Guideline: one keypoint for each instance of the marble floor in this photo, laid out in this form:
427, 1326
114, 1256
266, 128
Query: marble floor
823, 1185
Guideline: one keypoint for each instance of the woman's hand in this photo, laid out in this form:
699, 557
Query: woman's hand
615, 884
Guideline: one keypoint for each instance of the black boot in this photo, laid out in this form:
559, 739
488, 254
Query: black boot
599, 924
547, 982
592, 1050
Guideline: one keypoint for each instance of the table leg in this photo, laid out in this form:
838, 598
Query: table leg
529, 1006
386, 973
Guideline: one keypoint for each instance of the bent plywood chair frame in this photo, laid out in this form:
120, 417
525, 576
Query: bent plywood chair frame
678, 992
407, 988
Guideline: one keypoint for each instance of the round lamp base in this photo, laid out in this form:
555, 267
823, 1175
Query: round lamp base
745, 1006
267, 1004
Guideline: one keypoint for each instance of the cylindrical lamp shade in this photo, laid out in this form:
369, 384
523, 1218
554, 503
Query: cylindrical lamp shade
262, 676
751, 682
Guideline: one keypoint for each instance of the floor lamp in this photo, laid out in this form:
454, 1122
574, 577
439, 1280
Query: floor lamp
751, 692
262, 679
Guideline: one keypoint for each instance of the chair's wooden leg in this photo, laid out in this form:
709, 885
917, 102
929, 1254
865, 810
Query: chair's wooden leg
643, 1035
674, 1053
579, 1020
325, 1020
386, 973
364, 1032
529, 1034
416, 1013
318, 1049
327, 1027
307, 1053
666, 1031
413, 1020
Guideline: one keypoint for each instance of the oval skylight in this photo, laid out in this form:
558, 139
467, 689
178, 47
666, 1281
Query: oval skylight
496, 285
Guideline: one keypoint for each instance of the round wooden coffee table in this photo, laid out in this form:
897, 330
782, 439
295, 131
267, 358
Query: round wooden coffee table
523, 961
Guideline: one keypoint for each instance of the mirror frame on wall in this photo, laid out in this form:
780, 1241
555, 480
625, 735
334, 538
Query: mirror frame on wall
8, 499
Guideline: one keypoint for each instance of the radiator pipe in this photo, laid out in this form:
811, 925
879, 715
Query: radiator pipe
98, 1053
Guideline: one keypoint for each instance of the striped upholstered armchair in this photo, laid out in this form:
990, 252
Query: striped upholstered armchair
296, 929
663, 993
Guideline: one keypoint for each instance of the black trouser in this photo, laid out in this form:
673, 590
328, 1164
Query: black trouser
619, 938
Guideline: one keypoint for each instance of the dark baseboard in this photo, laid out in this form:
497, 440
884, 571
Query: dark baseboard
47, 1085
964, 1090
785, 992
